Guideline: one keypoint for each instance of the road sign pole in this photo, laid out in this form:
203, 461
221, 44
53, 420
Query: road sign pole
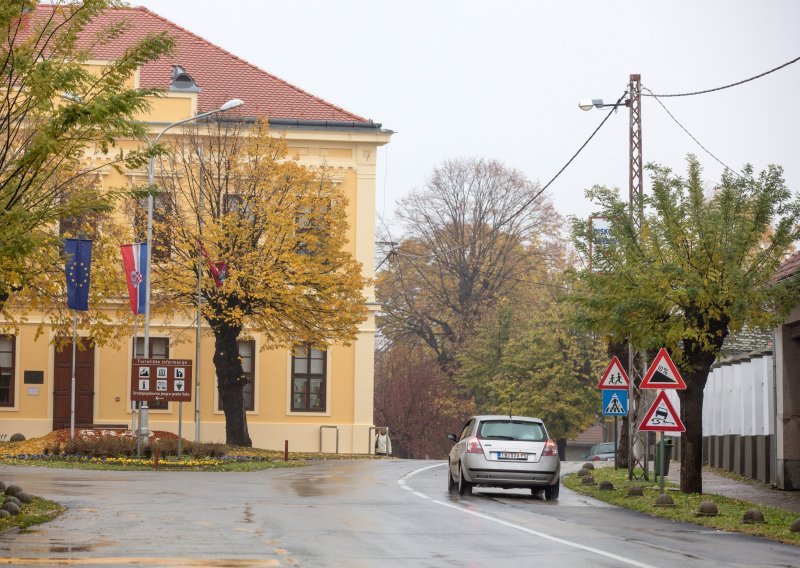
180, 427
616, 438
661, 465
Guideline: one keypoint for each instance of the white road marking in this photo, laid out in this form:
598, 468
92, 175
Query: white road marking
617, 557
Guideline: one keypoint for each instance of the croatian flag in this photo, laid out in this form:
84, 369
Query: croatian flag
134, 259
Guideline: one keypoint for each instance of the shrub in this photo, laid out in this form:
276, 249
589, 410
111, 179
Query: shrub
206, 450
100, 447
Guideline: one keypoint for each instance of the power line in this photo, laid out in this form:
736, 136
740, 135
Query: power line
538, 193
575, 155
658, 100
795, 60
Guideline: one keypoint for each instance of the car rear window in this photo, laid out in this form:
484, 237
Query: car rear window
606, 448
512, 430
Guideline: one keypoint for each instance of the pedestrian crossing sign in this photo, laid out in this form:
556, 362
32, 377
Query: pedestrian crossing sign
662, 374
662, 417
615, 377
615, 402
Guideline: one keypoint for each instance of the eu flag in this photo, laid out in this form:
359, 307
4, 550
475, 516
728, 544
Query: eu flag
78, 269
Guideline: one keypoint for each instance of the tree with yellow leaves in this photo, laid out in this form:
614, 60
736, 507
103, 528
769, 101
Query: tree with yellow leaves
273, 236
53, 109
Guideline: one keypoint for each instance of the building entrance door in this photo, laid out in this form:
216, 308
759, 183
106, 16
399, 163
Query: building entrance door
84, 385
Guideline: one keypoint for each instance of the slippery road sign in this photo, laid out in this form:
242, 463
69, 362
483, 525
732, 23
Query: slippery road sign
662, 417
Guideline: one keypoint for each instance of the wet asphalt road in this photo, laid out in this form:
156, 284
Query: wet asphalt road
368, 513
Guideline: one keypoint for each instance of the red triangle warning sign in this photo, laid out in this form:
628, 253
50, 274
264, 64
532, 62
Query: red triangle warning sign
615, 377
662, 374
662, 417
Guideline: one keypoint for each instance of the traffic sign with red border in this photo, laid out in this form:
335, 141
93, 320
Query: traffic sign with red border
662, 417
615, 377
662, 374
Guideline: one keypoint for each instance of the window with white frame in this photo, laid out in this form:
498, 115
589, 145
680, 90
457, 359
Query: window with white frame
309, 379
247, 350
7, 370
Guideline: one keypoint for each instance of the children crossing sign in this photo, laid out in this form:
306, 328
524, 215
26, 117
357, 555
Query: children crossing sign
662, 374
615, 402
662, 417
615, 377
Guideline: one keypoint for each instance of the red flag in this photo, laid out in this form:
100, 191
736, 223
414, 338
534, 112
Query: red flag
218, 269
134, 259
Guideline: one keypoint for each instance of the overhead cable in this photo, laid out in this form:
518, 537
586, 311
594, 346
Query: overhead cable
736, 84
658, 100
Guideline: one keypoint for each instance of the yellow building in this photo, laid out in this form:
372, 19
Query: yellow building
332, 406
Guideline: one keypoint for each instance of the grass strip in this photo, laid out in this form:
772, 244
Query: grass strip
731, 511
36, 512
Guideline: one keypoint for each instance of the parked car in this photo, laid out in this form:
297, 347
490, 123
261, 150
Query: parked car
504, 451
601, 452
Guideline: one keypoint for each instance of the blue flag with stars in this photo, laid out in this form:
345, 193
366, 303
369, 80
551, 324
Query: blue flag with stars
78, 270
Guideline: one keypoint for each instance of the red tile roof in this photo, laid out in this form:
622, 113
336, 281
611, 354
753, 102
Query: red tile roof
221, 75
790, 267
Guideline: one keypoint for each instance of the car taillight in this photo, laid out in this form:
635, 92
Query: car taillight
596, 458
474, 446
550, 448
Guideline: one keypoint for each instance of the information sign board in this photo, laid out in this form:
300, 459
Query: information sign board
161, 379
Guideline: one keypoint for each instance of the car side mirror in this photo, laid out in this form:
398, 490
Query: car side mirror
452, 437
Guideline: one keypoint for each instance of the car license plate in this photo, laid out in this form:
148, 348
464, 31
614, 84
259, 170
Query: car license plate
511, 456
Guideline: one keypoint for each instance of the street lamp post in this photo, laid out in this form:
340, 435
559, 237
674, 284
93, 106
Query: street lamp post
636, 207
144, 429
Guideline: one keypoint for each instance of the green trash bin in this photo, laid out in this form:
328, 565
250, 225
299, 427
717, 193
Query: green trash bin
663, 454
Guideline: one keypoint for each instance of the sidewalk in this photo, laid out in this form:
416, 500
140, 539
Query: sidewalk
756, 492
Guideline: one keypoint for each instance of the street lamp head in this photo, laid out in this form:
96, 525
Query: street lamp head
589, 104
71, 97
233, 103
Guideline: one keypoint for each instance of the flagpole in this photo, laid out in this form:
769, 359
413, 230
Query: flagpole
72, 390
133, 402
199, 306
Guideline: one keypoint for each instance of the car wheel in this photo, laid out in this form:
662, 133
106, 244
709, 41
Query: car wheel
464, 486
551, 491
537, 492
451, 484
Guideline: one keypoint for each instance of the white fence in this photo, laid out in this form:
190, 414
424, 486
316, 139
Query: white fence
739, 398
739, 417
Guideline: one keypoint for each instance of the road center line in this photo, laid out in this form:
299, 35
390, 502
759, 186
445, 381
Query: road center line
402, 483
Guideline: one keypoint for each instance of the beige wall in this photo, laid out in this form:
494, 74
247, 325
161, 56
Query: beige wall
351, 157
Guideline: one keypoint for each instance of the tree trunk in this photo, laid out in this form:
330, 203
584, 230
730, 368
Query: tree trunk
622, 459
700, 361
230, 382
692, 438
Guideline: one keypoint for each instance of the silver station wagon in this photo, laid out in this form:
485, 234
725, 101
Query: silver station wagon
504, 451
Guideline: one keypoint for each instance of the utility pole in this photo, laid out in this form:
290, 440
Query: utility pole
633, 101
636, 205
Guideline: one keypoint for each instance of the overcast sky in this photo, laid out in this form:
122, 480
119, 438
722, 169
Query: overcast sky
502, 79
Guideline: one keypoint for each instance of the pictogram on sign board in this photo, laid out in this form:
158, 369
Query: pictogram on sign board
615, 402
161, 379
662, 417
615, 377
662, 374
